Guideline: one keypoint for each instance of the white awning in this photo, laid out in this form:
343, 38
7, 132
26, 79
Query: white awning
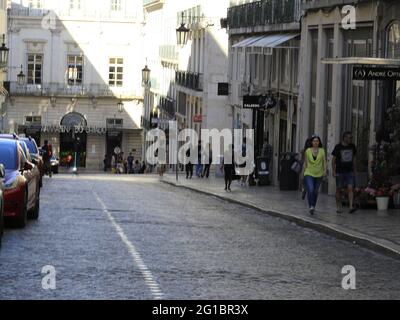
274, 40
362, 61
246, 42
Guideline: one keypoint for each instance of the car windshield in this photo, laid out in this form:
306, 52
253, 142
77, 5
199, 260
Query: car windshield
31, 146
8, 156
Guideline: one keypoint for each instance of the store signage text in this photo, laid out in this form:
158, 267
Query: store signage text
376, 73
78, 129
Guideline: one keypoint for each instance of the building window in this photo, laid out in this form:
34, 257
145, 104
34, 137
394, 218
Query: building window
116, 5
33, 119
75, 70
116, 72
394, 41
35, 4
75, 4
35, 68
115, 122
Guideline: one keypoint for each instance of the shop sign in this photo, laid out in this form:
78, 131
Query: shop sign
259, 102
376, 73
198, 118
76, 129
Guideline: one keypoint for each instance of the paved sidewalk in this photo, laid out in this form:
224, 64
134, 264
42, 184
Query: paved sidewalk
379, 231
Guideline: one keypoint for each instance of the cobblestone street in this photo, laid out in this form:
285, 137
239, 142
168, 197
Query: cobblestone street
117, 237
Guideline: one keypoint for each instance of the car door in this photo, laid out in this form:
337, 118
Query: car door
29, 176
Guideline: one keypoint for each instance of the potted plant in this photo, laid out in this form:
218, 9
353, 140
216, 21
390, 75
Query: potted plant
383, 195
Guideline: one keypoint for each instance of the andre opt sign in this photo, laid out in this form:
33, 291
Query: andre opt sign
376, 73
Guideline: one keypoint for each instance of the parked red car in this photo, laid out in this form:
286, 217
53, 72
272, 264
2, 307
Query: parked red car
2, 175
22, 191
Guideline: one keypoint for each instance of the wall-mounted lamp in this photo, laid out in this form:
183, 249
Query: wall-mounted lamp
94, 102
120, 106
4, 53
146, 75
21, 78
182, 34
53, 101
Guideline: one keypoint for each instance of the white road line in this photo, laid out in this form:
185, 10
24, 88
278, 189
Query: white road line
147, 275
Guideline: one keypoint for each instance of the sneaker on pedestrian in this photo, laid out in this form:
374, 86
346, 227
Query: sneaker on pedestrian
353, 210
312, 211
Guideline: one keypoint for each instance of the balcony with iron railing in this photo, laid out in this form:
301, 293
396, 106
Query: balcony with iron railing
63, 90
264, 13
320, 4
190, 80
167, 105
87, 13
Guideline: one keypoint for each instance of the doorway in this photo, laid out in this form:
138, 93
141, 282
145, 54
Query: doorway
113, 140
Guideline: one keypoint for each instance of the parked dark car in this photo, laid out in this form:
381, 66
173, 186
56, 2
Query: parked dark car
27, 154
2, 175
22, 191
35, 155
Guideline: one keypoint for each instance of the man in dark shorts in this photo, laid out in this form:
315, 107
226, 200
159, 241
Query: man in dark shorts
344, 170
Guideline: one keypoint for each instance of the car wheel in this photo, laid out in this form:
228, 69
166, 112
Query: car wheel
34, 214
23, 218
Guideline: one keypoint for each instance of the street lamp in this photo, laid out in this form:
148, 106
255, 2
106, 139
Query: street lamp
120, 106
21, 78
4, 52
182, 34
146, 75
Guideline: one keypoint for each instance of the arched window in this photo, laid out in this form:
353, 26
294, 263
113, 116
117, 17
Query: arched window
393, 48
73, 119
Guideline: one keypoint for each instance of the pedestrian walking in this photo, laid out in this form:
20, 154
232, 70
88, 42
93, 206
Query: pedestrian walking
130, 160
243, 165
47, 154
207, 166
344, 170
302, 160
228, 167
189, 166
105, 162
199, 165
315, 169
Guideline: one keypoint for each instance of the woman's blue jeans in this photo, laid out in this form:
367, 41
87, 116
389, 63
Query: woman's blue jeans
312, 187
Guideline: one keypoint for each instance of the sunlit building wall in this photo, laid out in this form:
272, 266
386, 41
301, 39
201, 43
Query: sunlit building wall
81, 59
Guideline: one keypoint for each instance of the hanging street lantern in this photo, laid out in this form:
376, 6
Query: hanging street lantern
4, 52
182, 34
21, 78
120, 106
145, 75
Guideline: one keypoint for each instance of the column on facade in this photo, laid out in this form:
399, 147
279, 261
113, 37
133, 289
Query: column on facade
337, 76
320, 109
305, 73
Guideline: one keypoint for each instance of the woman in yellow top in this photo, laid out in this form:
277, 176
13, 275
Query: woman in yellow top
315, 169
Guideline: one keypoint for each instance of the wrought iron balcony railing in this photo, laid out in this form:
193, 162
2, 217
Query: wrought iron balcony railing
167, 105
263, 13
189, 80
63, 90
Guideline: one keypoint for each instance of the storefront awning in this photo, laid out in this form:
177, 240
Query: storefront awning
247, 42
362, 61
274, 40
